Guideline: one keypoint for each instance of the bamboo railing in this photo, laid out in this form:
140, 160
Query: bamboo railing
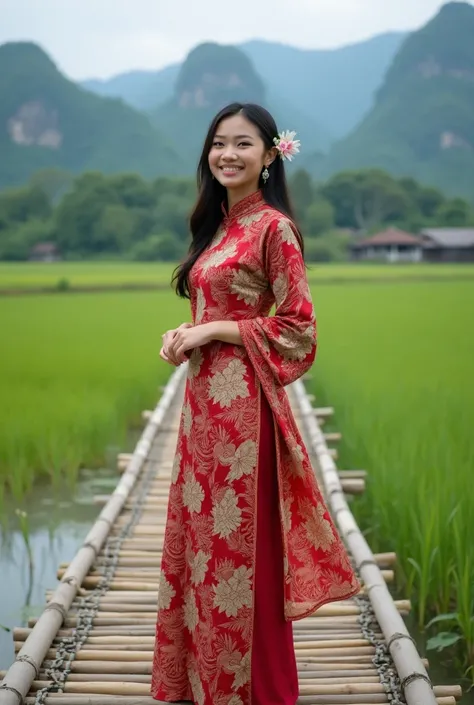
96, 634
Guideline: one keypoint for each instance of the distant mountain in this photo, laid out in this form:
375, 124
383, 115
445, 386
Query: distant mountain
332, 88
142, 90
48, 121
211, 77
422, 123
335, 86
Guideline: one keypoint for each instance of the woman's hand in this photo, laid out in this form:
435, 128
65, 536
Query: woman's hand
167, 339
188, 338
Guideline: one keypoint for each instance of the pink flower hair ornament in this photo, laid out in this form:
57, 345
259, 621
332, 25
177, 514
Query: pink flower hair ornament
287, 145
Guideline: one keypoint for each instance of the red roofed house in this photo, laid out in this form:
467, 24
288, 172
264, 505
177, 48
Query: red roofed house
391, 245
44, 252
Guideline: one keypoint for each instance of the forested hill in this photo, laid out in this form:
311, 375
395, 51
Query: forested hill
303, 79
422, 123
212, 76
47, 120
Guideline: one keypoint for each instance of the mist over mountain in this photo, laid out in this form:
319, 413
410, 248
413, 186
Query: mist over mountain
335, 88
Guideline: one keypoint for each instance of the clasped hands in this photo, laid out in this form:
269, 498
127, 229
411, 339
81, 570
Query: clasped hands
178, 341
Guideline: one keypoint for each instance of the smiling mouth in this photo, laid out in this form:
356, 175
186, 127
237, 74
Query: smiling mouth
231, 169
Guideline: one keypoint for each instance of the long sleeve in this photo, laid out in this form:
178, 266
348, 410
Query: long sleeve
283, 347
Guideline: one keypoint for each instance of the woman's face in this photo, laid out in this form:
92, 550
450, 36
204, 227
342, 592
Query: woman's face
238, 154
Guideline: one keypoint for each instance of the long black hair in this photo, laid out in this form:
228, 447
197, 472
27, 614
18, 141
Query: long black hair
207, 214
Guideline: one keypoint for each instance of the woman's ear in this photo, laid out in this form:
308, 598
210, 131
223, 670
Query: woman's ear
270, 156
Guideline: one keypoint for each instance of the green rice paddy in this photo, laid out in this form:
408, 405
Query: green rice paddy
395, 360
86, 275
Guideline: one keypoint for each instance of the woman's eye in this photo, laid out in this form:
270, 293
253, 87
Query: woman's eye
245, 144
217, 144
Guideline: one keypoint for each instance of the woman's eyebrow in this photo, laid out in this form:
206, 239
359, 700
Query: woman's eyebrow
237, 137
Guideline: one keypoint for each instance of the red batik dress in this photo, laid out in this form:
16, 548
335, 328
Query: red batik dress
249, 543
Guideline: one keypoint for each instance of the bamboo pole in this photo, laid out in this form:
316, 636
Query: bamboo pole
21, 673
94, 699
418, 689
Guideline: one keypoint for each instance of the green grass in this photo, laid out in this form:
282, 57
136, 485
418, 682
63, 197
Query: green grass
396, 362
395, 359
32, 275
75, 371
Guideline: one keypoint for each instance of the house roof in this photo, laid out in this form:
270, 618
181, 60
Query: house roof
392, 236
44, 248
449, 237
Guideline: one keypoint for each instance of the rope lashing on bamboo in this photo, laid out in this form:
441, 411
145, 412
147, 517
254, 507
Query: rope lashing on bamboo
58, 607
71, 580
414, 677
336, 490
397, 636
89, 544
27, 659
16, 692
367, 561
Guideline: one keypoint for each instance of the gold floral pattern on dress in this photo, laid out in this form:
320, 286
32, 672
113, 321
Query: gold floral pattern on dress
166, 592
287, 233
243, 284
195, 361
193, 494
280, 288
205, 613
199, 567
295, 346
200, 305
219, 237
286, 514
227, 515
176, 467
248, 220
242, 672
236, 592
229, 384
187, 419
235, 700
196, 687
297, 454
217, 257
319, 530
191, 614
243, 461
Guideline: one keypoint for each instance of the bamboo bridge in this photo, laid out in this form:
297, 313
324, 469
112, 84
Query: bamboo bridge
93, 643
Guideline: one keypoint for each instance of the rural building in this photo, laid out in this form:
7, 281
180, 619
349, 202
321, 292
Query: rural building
448, 244
391, 245
44, 252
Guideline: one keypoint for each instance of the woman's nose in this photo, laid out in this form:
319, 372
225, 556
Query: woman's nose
229, 153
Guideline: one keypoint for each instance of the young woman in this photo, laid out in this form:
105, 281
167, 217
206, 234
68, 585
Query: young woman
249, 544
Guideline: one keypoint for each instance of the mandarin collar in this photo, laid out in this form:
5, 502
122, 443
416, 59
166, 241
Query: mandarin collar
245, 206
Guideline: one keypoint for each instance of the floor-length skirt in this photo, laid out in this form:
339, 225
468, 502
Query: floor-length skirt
274, 677
273, 672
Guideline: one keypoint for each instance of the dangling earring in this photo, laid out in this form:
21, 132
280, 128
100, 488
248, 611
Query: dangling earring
265, 175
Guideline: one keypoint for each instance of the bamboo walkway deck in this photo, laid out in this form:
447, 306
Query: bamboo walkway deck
93, 644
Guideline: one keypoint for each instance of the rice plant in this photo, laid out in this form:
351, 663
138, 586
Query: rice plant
396, 362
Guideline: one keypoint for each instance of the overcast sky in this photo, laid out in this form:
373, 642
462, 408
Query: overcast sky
99, 38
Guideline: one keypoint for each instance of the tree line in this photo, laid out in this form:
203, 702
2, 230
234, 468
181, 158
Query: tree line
94, 216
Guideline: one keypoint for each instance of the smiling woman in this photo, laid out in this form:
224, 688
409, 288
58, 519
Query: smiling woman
236, 158
249, 543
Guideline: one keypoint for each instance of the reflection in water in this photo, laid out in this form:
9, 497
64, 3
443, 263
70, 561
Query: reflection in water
58, 523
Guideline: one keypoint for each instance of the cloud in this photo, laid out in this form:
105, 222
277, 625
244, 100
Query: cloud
102, 37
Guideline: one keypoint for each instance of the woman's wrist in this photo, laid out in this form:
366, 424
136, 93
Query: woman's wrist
225, 331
